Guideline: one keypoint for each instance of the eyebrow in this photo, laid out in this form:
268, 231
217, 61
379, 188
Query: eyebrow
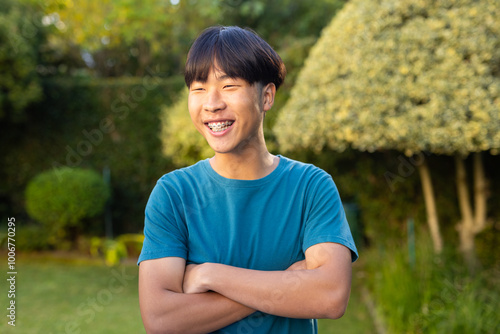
224, 77
219, 78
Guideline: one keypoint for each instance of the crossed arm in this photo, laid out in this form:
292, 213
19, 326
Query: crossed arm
175, 298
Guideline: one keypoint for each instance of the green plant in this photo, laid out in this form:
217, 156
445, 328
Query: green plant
115, 250
435, 295
35, 238
61, 198
467, 305
407, 75
20, 39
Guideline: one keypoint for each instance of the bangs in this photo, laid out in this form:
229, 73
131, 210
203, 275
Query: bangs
200, 60
236, 52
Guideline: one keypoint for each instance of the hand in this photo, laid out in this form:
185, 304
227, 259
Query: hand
193, 279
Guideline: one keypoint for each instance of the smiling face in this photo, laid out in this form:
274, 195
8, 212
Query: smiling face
229, 112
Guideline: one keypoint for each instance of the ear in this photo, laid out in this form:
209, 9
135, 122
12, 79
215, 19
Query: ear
268, 94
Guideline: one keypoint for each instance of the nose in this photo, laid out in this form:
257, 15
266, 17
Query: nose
213, 101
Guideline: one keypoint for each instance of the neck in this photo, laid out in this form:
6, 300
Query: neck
251, 165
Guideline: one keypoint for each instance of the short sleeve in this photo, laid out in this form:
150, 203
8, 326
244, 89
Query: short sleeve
325, 219
165, 232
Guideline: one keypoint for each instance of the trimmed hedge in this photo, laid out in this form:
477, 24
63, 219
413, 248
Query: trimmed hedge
62, 197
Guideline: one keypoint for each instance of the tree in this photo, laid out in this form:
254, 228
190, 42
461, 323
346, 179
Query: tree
20, 37
61, 198
125, 37
131, 34
413, 75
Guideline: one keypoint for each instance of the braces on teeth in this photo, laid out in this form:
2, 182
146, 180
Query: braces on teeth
219, 126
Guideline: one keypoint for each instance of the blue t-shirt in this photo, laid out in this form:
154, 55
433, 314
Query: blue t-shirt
264, 224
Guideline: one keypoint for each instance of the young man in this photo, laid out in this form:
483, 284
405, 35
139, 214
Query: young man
244, 242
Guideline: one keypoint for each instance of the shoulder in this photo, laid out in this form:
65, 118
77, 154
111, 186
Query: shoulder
313, 180
180, 182
185, 175
304, 170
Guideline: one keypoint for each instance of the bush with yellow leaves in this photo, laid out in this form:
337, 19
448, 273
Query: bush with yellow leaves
410, 75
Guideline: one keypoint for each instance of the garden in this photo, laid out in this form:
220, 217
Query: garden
398, 100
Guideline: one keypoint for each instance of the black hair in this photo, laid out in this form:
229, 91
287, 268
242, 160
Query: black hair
239, 53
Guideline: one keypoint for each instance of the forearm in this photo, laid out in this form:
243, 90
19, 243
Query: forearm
296, 294
175, 312
165, 308
318, 287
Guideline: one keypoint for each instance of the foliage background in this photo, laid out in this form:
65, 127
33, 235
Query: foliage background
96, 84
96, 73
420, 76
59, 131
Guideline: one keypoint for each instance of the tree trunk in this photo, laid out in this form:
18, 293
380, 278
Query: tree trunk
430, 205
144, 57
466, 225
473, 221
480, 194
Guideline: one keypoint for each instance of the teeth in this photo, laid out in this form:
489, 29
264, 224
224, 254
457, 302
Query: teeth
219, 126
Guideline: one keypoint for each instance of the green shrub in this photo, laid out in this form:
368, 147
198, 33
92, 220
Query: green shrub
61, 198
115, 250
434, 296
35, 238
20, 39
463, 305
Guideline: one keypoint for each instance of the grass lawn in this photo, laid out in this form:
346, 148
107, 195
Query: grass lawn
60, 296
55, 297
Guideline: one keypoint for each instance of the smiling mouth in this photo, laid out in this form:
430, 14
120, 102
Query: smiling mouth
219, 126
